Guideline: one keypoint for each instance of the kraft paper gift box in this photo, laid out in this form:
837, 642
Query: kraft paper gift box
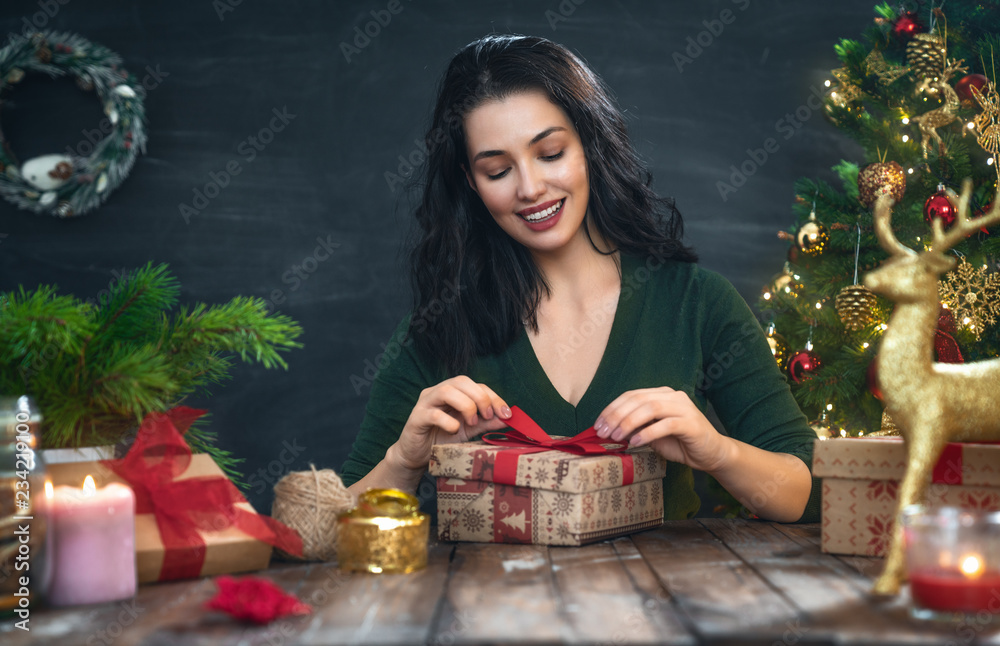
499, 494
861, 477
190, 520
226, 551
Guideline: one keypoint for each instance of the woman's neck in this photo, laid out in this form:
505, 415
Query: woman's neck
578, 269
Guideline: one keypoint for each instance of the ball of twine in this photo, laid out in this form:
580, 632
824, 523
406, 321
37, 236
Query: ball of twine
308, 502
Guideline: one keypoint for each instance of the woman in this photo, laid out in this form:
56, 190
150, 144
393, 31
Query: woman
550, 276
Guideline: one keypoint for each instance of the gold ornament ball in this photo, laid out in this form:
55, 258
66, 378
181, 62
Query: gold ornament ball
854, 305
779, 348
783, 283
812, 237
878, 178
822, 428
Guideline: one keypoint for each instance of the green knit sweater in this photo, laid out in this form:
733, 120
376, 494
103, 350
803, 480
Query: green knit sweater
676, 325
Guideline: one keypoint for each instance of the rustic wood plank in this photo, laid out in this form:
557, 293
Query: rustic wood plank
720, 595
834, 606
867, 566
373, 608
499, 594
171, 618
609, 595
811, 532
119, 622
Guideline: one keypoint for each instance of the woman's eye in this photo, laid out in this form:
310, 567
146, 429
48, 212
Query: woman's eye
553, 157
498, 175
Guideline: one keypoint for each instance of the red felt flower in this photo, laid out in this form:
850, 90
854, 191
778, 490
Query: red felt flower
254, 599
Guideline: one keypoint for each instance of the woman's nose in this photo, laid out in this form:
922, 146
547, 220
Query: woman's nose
530, 186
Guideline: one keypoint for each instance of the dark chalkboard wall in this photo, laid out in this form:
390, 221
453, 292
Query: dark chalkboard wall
220, 72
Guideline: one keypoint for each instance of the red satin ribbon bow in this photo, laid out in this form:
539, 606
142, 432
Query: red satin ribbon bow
182, 507
525, 436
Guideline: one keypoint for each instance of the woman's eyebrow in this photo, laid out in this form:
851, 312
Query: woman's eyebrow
534, 140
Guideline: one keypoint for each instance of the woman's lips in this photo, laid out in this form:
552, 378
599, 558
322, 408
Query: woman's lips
546, 218
542, 212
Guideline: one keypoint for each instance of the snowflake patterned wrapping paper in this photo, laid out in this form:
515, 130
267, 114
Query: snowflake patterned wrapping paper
555, 498
860, 481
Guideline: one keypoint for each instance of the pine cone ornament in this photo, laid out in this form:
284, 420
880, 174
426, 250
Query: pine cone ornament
925, 55
854, 305
881, 177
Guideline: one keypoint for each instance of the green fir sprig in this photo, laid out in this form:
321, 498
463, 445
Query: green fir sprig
96, 370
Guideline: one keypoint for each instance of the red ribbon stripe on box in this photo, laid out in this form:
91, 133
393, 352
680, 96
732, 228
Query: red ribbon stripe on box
525, 437
182, 507
949, 467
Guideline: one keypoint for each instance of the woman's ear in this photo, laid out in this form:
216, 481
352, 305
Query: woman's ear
468, 177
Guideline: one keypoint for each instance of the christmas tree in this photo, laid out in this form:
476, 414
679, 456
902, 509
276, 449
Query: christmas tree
918, 93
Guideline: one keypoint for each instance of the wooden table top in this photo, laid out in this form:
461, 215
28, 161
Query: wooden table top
690, 582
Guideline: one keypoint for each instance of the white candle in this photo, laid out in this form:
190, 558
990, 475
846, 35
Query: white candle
93, 543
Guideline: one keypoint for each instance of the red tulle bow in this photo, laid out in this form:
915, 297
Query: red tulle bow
182, 507
254, 599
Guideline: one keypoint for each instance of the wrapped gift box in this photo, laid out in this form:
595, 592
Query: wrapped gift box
549, 497
860, 481
226, 551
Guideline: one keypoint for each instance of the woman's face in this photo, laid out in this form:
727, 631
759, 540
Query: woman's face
527, 164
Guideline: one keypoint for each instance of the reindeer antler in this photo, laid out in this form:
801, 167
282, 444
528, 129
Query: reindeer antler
963, 225
883, 228
951, 67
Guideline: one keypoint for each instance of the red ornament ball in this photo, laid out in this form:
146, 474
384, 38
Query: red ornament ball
907, 26
939, 206
803, 365
964, 86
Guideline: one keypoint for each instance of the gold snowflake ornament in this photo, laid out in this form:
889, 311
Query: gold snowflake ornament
972, 295
845, 92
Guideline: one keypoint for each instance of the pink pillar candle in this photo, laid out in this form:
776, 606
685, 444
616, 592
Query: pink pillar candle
93, 543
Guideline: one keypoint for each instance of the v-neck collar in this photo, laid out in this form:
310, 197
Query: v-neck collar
547, 406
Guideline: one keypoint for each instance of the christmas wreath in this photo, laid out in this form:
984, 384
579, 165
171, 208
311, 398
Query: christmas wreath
79, 181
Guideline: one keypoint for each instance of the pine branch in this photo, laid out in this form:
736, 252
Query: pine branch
96, 372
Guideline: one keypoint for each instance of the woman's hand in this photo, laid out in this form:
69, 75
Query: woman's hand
670, 422
455, 410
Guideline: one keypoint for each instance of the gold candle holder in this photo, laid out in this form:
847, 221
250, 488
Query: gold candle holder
386, 532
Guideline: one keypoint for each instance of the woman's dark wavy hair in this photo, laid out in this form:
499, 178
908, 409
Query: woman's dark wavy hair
474, 286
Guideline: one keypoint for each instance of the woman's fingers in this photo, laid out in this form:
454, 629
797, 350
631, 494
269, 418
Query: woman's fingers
470, 402
636, 409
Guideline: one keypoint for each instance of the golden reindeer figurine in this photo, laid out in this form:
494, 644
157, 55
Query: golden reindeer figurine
930, 121
932, 403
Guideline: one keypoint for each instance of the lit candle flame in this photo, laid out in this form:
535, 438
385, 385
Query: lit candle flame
972, 566
89, 488
48, 490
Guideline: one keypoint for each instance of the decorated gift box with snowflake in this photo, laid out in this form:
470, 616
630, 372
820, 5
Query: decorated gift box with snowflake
525, 494
918, 92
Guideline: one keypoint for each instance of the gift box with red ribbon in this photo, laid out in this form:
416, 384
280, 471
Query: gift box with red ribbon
861, 477
524, 486
191, 520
